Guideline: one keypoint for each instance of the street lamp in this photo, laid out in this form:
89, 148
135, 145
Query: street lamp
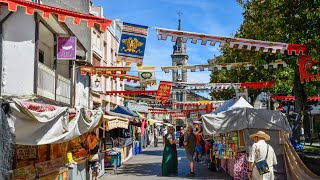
97, 82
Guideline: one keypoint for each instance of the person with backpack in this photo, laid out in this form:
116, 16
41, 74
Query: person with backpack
93, 147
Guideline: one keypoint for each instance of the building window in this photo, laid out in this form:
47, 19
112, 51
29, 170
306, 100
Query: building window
41, 56
111, 55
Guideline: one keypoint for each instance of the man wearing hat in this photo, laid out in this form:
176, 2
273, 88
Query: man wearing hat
261, 151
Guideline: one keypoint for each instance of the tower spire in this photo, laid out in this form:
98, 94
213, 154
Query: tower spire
179, 26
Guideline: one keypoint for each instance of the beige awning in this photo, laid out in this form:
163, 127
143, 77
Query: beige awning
113, 122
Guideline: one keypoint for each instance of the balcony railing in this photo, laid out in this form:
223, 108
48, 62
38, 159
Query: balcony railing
47, 85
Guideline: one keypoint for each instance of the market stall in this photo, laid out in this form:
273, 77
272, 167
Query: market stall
51, 140
231, 129
120, 136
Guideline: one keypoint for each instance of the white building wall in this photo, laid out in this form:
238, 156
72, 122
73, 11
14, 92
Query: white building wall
18, 53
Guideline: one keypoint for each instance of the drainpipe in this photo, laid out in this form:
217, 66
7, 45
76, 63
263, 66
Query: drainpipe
1, 47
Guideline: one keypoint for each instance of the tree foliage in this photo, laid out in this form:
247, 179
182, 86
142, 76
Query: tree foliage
294, 21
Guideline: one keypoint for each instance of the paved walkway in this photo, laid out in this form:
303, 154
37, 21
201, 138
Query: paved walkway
147, 165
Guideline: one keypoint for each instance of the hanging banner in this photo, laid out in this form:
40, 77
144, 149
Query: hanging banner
222, 66
62, 14
103, 70
238, 43
164, 91
67, 48
305, 63
136, 92
147, 76
132, 44
209, 108
292, 98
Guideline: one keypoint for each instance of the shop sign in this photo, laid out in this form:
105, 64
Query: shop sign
138, 107
26, 152
66, 48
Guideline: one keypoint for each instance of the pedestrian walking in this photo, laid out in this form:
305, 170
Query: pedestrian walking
261, 158
156, 138
199, 141
164, 132
93, 146
181, 139
169, 158
190, 145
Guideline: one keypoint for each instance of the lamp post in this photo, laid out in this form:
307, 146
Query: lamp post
97, 82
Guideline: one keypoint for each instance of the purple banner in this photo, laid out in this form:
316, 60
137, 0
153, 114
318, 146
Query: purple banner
67, 47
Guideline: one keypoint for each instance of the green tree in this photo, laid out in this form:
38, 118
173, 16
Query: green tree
294, 21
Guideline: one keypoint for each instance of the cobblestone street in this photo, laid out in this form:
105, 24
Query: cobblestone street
147, 165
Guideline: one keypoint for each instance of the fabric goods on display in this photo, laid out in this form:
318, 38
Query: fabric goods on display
147, 76
101, 70
238, 43
50, 127
164, 91
305, 63
132, 44
241, 167
62, 14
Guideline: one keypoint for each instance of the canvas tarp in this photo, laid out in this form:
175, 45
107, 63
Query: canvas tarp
244, 118
232, 104
50, 127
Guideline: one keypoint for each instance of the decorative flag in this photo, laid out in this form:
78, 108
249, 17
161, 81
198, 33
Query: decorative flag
132, 44
164, 91
222, 66
209, 108
237, 43
147, 76
62, 14
305, 63
103, 70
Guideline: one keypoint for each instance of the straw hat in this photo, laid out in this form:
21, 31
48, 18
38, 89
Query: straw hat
261, 134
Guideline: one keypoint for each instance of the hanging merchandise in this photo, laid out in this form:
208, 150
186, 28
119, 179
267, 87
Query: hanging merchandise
164, 91
226, 145
147, 76
136, 92
238, 43
132, 44
62, 14
103, 70
305, 63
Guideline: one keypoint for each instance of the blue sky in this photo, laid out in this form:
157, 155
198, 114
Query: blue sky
218, 17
